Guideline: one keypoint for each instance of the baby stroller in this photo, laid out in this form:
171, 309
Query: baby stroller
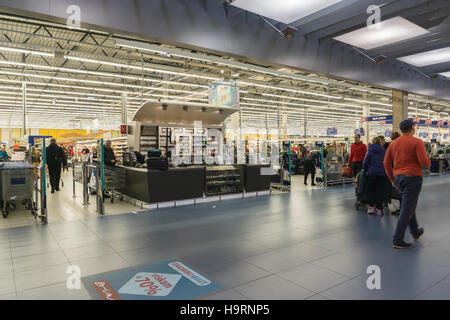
392, 196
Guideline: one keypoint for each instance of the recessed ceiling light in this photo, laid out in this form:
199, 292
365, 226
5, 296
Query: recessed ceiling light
388, 32
428, 58
285, 11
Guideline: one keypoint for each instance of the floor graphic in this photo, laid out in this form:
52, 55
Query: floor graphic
166, 280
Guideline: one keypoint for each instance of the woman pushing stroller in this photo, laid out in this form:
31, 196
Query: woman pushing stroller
376, 177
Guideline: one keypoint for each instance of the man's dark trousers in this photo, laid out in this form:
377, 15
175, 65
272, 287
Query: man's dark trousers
310, 168
356, 166
54, 172
410, 187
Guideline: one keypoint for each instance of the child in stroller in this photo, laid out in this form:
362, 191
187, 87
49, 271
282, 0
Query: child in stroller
393, 197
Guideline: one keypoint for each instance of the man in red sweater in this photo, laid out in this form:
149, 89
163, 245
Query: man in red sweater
357, 153
409, 156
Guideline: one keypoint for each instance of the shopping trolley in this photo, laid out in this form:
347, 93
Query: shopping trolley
114, 179
17, 183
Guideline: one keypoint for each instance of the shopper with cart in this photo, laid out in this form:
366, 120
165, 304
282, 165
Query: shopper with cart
357, 153
55, 160
108, 154
409, 156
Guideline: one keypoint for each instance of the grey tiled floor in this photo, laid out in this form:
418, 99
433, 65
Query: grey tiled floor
310, 244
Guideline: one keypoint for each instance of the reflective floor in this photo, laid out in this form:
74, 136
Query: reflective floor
309, 244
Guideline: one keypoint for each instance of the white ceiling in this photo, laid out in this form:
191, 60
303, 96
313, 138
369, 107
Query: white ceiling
381, 34
285, 11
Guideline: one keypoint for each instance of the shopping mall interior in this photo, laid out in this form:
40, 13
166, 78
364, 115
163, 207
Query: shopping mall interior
205, 149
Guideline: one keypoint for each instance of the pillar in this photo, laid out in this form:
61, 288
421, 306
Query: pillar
284, 125
124, 108
400, 105
366, 113
24, 101
305, 124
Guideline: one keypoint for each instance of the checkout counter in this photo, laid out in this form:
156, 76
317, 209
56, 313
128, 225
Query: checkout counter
152, 186
182, 183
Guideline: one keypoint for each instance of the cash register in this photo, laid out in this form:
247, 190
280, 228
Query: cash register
155, 161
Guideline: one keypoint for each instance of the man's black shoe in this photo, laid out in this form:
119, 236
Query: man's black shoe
57, 189
53, 191
313, 184
402, 245
418, 234
305, 183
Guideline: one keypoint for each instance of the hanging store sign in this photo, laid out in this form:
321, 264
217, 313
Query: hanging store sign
224, 94
331, 131
361, 132
379, 118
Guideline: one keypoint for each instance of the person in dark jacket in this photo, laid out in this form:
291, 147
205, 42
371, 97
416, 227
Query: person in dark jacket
376, 176
55, 158
312, 161
109, 155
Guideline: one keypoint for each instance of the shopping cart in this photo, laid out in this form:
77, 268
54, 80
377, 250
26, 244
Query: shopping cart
114, 178
17, 183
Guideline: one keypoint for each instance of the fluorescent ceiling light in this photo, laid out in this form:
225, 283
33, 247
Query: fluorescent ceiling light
17, 50
387, 32
428, 58
285, 11
445, 74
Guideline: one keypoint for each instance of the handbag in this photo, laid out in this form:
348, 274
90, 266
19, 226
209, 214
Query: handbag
347, 171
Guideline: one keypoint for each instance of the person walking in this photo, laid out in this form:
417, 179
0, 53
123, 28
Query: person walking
357, 153
311, 162
409, 156
376, 176
55, 158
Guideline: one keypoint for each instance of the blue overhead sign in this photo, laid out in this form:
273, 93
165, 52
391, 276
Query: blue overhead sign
331, 131
379, 118
423, 135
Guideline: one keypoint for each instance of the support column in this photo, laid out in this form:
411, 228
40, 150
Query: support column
24, 100
305, 124
124, 117
366, 113
284, 125
400, 106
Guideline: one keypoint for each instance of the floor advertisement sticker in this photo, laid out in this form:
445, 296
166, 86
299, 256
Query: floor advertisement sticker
167, 280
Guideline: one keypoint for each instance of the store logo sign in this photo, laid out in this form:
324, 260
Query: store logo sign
190, 274
105, 290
